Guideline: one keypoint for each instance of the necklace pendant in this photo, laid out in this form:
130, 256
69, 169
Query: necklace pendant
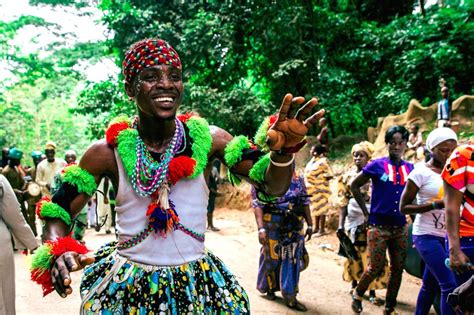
164, 195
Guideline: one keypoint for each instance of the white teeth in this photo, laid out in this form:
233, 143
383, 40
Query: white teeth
163, 99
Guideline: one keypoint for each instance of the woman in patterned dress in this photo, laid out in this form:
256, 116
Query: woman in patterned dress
280, 231
317, 175
352, 221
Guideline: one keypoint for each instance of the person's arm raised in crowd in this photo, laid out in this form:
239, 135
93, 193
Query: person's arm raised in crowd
270, 173
356, 184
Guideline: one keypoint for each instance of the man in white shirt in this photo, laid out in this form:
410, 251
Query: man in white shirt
48, 168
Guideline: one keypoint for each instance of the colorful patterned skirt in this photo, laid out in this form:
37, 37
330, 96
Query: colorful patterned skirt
283, 258
116, 285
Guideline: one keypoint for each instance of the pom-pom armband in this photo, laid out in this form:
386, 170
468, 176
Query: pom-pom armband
80, 178
45, 208
45, 256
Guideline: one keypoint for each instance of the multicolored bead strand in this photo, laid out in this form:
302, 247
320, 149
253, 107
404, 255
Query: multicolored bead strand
149, 175
198, 236
137, 239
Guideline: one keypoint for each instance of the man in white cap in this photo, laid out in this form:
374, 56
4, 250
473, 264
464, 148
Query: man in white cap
48, 168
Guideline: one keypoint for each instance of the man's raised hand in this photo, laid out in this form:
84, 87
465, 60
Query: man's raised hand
293, 122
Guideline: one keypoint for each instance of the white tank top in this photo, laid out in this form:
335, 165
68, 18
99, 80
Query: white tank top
190, 196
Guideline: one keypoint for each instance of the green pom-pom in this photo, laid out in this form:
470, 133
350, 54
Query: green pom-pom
257, 172
127, 142
202, 142
119, 119
52, 210
81, 179
233, 150
42, 258
261, 135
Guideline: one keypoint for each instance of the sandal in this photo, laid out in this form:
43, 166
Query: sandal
375, 301
356, 304
297, 306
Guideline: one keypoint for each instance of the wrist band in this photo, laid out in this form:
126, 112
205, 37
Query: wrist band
45, 256
262, 230
277, 164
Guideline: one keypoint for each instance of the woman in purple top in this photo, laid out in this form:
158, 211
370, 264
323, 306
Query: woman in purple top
387, 225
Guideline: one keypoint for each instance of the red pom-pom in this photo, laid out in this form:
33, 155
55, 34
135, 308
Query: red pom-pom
43, 278
180, 167
39, 204
184, 117
67, 244
151, 207
113, 131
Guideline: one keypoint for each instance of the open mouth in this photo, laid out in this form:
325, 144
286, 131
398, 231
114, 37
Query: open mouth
164, 99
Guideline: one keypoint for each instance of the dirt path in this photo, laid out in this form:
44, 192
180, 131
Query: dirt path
322, 289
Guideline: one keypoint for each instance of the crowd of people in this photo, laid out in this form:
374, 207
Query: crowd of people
157, 173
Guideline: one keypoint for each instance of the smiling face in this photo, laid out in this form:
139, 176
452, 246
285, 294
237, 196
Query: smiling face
158, 91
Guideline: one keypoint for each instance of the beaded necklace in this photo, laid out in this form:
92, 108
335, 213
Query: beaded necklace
153, 179
149, 175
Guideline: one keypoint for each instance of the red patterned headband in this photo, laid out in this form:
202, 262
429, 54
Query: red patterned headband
147, 53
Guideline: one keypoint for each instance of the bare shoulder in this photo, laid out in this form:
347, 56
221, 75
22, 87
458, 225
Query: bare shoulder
220, 138
99, 160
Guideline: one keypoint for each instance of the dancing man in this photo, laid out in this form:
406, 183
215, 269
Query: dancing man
156, 162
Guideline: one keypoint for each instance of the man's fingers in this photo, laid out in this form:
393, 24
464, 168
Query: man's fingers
86, 260
303, 112
295, 103
70, 262
57, 282
285, 107
64, 277
314, 118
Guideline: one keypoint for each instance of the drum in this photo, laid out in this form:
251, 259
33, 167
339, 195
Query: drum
33, 189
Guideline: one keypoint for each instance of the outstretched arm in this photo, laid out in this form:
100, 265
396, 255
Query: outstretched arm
97, 162
284, 138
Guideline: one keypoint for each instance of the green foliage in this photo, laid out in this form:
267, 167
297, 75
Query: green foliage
100, 102
362, 58
362, 61
34, 103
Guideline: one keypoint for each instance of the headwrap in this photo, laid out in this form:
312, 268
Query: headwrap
36, 154
147, 53
365, 146
439, 135
50, 145
14, 153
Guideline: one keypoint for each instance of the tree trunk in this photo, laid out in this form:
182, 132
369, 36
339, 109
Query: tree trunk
422, 7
